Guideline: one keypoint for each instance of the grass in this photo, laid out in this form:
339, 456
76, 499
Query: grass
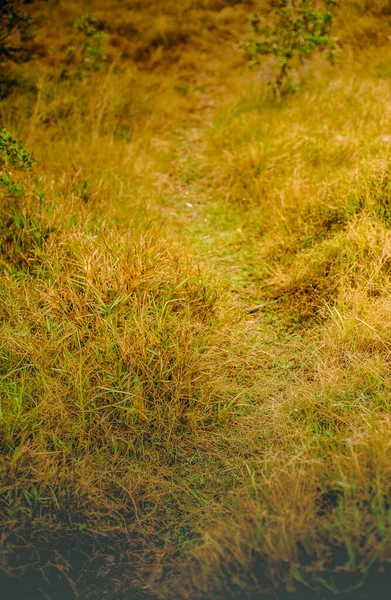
158, 433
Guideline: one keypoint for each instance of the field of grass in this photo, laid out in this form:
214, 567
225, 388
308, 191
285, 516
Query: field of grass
195, 311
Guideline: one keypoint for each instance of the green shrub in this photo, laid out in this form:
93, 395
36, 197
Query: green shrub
12, 155
299, 30
20, 229
12, 152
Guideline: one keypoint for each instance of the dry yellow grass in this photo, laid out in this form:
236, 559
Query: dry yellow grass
188, 448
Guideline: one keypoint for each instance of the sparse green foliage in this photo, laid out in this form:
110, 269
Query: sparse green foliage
87, 52
92, 31
300, 29
15, 24
14, 155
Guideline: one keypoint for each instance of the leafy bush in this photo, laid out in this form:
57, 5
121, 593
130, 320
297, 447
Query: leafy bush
20, 230
12, 154
299, 30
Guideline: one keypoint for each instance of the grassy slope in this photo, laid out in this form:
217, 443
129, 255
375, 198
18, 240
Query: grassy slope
141, 404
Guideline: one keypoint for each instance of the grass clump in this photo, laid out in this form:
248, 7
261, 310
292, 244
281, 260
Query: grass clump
112, 365
143, 330
328, 445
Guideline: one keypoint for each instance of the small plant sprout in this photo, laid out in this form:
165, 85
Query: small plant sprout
299, 30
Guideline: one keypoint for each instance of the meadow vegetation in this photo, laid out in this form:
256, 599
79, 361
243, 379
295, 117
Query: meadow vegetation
195, 306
